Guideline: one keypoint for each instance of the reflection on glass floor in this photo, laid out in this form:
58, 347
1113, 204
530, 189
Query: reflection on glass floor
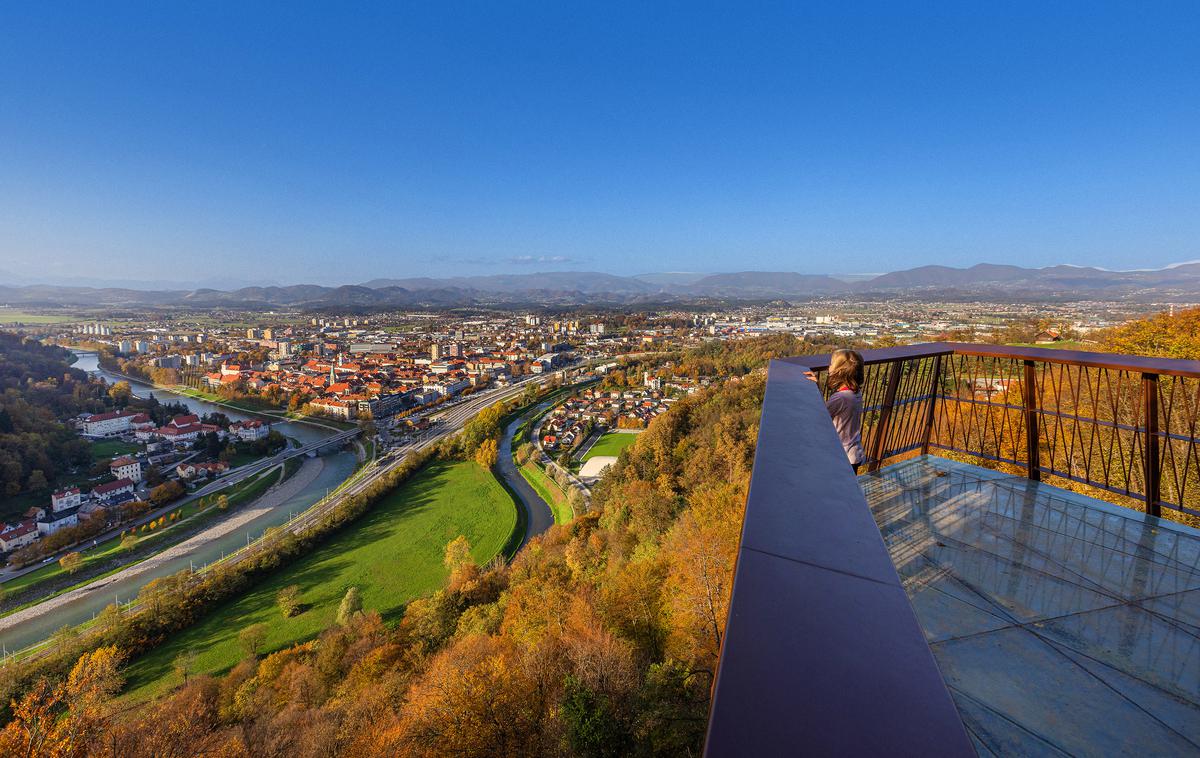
1061, 624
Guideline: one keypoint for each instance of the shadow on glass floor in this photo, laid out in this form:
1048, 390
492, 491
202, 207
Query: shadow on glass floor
1061, 624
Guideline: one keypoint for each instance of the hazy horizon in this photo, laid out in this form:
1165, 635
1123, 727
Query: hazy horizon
289, 145
232, 283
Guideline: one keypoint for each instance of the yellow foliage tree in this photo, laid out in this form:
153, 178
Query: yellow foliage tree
488, 453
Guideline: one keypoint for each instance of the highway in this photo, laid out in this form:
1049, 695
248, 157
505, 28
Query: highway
251, 469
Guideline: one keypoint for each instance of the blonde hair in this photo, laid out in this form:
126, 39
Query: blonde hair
846, 369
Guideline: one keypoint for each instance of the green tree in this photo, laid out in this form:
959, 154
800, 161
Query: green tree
592, 725
288, 599
37, 481
183, 664
350, 607
252, 638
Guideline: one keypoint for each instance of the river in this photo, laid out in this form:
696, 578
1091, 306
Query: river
89, 362
337, 467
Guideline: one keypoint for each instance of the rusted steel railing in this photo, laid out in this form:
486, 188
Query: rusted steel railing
1124, 424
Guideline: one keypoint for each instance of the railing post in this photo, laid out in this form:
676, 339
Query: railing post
1150, 460
885, 417
934, 384
1033, 461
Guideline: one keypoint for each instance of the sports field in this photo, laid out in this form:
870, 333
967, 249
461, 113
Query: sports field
611, 443
393, 553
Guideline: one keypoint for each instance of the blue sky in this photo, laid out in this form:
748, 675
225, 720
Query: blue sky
341, 142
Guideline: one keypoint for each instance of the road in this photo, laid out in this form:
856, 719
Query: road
229, 479
451, 419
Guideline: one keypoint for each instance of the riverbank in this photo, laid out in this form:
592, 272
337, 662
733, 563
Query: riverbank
89, 361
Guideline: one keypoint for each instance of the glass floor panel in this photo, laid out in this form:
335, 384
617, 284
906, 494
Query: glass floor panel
1061, 624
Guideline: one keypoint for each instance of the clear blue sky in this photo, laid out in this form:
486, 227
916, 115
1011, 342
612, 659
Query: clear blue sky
323, 145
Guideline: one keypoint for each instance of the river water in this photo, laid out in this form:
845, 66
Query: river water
337, 467
89, 362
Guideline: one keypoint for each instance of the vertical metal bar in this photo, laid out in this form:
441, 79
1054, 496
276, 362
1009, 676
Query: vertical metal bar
885, 417
1033, 462
1150, 460
934, 384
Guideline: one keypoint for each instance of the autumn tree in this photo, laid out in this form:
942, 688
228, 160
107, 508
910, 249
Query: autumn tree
120, 393
487, 453
525, 453
183, 664
288, 600
34, 728
252, 638
71, 562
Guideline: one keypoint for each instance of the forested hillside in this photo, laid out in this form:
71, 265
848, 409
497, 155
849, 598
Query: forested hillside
601, 638
1167, 335
39, 389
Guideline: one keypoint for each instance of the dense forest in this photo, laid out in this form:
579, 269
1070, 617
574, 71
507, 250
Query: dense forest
39, 390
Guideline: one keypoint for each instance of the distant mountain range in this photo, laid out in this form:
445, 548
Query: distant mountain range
572, 287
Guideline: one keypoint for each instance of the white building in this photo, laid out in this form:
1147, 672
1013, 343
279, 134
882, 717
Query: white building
108, 424
250, 431
64, 499
52, 522
18, 536
447, 388
113, 490
126, 468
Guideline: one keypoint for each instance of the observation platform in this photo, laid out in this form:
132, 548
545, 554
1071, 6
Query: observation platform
1061, 624
959, 598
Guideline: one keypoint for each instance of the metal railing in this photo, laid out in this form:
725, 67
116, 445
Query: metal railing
1123, 424
822, 653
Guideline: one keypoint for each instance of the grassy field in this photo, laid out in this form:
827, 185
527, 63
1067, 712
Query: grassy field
392, 554
549, 491
611, 443
105, 449
11, 316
